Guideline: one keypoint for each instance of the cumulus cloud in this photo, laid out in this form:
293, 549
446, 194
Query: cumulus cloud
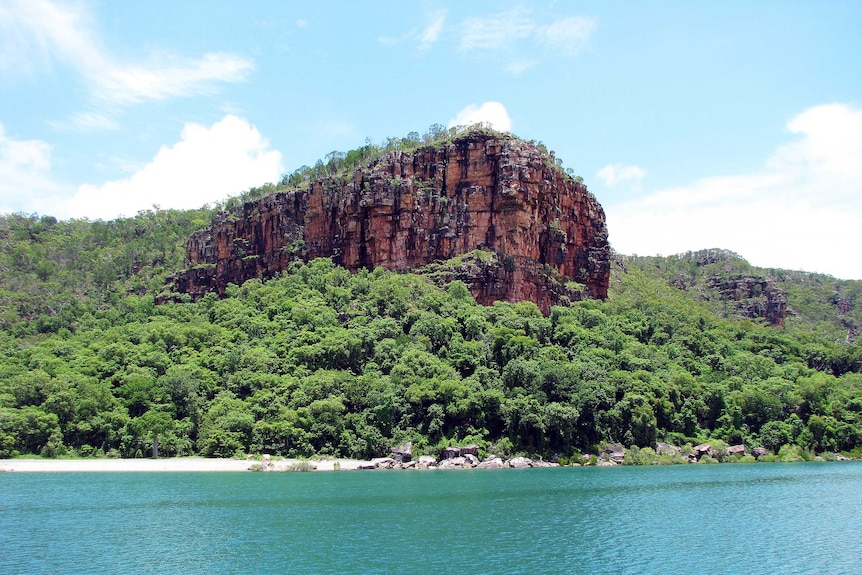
802, 210
25, 167
206, 165
614, 174
493, 113
40, 31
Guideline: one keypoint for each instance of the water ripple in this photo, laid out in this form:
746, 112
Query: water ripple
774, 518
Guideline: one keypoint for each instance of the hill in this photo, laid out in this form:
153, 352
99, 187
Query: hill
321, 360
732, 288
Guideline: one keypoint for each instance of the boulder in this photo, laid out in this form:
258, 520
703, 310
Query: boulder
704, 449
451, 452
452, 463
491, 463
426, 461
740, 449
471, 460
520, 462
383, 463
759, 452
403, 452
666, 449
470, 450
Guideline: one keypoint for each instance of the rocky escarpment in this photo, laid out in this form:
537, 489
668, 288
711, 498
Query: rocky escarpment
724, 277
483, 190
754, 297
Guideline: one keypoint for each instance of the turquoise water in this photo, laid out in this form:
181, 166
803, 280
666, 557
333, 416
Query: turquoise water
763, 518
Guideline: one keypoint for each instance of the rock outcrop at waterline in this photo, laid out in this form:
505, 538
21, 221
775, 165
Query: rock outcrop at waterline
541, 235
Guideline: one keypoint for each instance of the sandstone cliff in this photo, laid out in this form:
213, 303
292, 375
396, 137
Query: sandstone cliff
479, 191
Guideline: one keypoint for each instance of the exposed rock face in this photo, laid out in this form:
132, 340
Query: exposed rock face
723, 276
755, 297
484, 191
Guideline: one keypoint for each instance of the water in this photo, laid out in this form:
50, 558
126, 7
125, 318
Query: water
763, 518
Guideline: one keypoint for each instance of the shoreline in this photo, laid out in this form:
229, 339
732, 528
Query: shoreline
216, 465
167, 464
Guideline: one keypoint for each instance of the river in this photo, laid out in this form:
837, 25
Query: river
711, 519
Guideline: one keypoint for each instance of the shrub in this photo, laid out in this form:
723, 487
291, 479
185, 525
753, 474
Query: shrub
676, 459
791, 453
299, 466
855, 453
645, 456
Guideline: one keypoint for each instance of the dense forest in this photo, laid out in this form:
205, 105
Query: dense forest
320, 361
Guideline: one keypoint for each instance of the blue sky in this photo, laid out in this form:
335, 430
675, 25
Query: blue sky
735, 125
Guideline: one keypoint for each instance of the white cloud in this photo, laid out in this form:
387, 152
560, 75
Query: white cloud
493, 113
520, 66
169, 76
802, 210
302, 23
831, 147
432, 31
569, 35
40, 31
425, 37
206, 165
87, 121
36, 31
496, 31
614, 174
508, 35
24, 171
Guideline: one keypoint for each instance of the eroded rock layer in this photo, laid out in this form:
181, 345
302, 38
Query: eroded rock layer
482, 190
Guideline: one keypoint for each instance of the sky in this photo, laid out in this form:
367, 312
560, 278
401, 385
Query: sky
732, 125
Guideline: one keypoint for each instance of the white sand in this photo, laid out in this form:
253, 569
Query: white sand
180, 464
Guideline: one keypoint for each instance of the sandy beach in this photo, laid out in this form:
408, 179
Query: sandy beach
173, 464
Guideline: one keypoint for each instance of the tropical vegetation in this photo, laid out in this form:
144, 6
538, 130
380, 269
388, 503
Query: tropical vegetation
320, 361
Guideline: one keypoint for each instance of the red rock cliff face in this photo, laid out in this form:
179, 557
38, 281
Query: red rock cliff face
481, 191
